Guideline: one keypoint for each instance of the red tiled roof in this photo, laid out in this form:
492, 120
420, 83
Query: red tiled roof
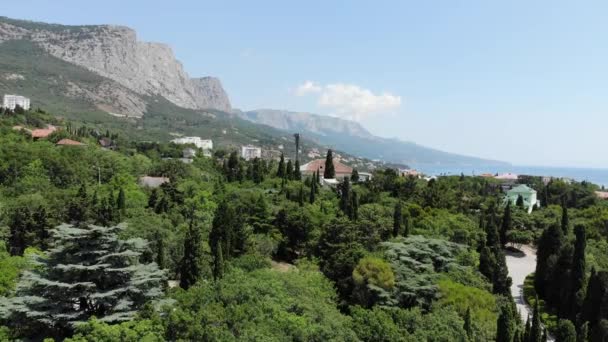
319, 164
69, 142
602, 194
43, 132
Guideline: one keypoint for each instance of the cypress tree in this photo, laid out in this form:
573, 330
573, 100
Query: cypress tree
505, 224
577, 275
78, 207
565, 222
160, 251
468, 324
330, 171
281, 168
406, 226
297, 174
318, 177
297, 138
289, 170
505, 325
536, 328
233, 167
190, 265
313, 192
301, 195
345, 196
527, 330
354, 176
492, 237
153, 198
354, 210
549, 243
597, 294
397, 219
218, 261
501, 282
544, 337
121, 202
487, 263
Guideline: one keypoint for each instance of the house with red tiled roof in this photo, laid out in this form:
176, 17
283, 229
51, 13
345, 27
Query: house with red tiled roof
342, 170
153, 182
42, 133
602, 195
69, 142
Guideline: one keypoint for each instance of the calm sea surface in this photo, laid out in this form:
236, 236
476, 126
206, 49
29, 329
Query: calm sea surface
596, 176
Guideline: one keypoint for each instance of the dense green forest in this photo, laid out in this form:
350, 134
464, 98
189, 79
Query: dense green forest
235, 250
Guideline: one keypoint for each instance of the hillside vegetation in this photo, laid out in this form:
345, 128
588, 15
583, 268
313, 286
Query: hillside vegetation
231, 250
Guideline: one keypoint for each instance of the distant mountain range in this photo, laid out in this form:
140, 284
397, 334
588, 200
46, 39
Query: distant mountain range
102, 74
352, 137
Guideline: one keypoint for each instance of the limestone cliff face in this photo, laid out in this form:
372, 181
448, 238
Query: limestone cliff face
210, 94
115, 53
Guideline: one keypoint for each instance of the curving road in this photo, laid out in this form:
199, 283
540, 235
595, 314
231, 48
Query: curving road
520, 265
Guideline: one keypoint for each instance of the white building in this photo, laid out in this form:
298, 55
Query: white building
251, 152
12, 101
204, 144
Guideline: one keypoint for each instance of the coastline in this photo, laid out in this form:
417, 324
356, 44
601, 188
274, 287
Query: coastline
594, 175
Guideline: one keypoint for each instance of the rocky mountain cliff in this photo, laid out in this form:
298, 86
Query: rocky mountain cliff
148, 69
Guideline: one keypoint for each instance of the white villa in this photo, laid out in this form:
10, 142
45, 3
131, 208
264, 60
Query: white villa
528, 194
204, 144
12, 101
250, 152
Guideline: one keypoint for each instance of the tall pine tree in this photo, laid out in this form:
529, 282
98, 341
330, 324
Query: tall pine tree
565, 222
191, 264
505, 225
281, 168
577, 275
88, 272
330, 171
397, 219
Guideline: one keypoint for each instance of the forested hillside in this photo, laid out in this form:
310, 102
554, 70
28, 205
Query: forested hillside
233, 250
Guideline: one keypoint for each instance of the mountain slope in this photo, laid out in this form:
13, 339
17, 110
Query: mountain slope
351, 136
72, 91
147, 69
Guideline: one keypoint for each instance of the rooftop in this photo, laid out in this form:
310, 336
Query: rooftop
69, 142
319, 164
522, 189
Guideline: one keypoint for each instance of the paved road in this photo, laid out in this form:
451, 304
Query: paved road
520, 265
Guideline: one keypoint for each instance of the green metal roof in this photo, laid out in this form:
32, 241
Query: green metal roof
522, 189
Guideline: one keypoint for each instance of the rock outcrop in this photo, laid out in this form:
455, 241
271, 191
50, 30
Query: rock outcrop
114, 52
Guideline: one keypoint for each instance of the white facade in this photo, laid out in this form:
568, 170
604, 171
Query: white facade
12, 101
251, 152
204, 144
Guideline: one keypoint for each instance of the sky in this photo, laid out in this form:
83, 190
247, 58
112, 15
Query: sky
519, 81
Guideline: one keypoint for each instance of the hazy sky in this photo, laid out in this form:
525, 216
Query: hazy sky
520, 81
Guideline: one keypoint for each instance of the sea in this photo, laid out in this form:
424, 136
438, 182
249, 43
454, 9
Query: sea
596, 176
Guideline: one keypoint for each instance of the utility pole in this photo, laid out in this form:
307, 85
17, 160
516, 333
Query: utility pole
297, 136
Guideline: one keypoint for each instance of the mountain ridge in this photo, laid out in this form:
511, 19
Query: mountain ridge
363, 144
126, 77
114, 52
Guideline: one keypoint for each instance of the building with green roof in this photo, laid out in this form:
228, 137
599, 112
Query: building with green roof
528, 195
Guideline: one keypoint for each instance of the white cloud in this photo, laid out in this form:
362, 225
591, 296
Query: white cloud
350, 101
308, 87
